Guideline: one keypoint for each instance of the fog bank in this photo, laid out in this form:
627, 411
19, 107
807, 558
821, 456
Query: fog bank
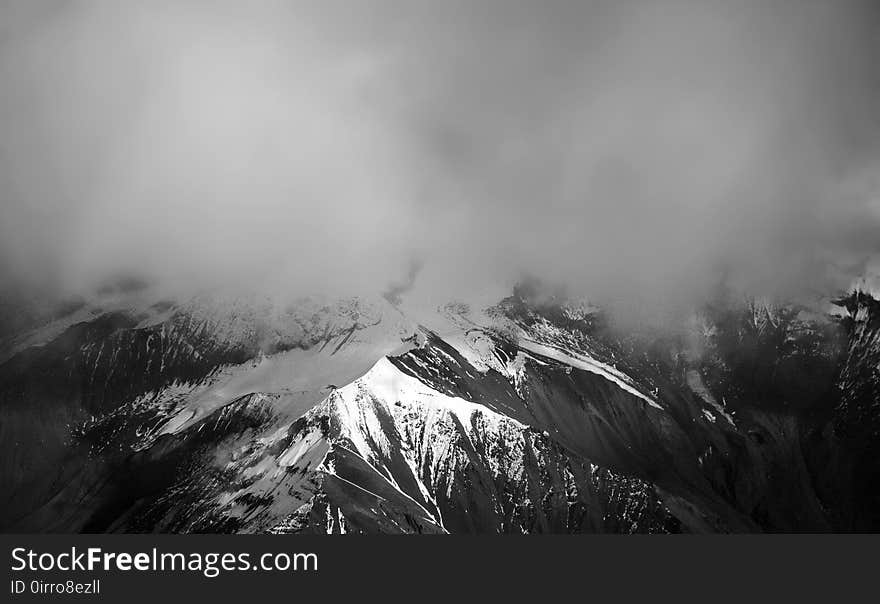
624, 149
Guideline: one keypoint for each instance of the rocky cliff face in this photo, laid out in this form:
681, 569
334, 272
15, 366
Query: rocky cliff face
857, 414
219, 415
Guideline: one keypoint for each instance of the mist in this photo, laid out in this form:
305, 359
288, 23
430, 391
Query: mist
624, 149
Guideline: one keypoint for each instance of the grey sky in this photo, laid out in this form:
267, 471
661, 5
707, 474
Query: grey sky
618, 147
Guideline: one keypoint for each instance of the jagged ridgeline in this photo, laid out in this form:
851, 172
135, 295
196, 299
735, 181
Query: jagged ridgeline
130, 412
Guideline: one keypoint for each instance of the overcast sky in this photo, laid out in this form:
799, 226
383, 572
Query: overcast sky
617, 147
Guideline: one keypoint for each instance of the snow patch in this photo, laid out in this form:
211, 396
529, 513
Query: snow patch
587, 364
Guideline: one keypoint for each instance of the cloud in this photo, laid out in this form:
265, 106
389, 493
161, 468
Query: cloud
624, 149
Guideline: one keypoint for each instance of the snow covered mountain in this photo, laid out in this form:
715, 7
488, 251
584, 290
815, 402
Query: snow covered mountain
131, 412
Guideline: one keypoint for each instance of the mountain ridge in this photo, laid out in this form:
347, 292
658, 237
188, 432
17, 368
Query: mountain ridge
357, 416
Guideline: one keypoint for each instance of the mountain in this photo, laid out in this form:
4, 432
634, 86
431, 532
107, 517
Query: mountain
134, 412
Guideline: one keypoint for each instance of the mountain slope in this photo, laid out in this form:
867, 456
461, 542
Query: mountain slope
358, 415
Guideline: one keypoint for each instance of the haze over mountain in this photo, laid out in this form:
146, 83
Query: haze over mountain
439, 267
619, 148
